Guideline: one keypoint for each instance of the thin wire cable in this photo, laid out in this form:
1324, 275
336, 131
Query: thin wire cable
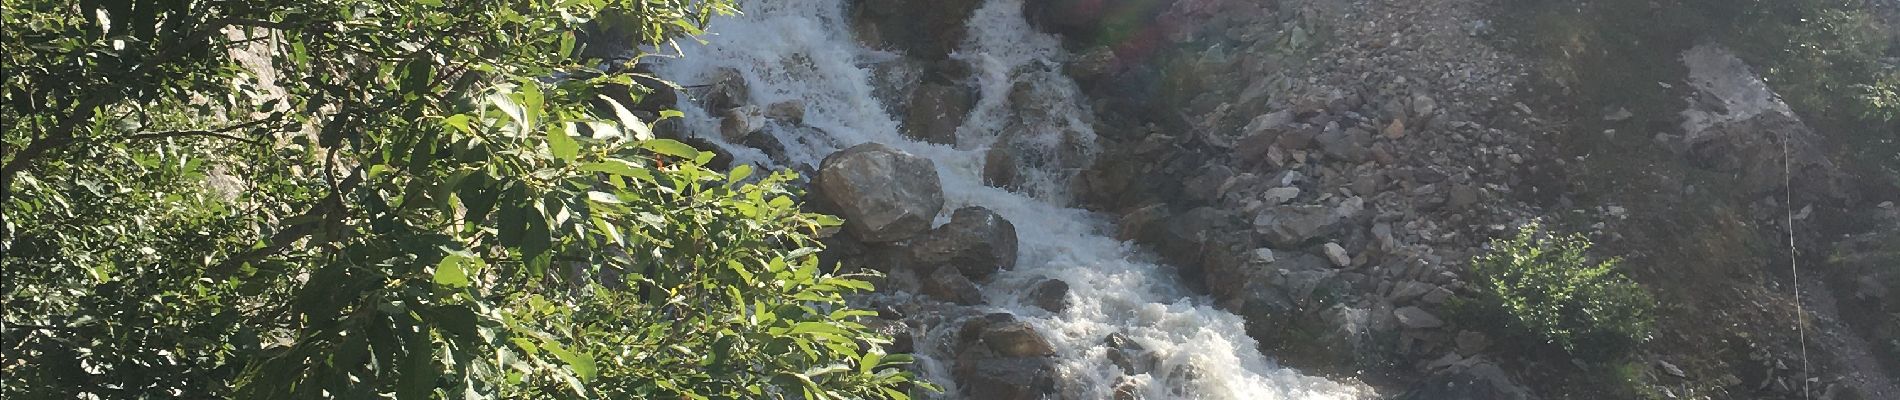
1800, 314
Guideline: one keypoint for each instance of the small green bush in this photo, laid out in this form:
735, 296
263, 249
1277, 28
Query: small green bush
1548, 287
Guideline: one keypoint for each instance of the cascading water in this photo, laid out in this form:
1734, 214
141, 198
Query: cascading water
802, 50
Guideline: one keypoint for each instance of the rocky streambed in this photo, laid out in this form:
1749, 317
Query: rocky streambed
1221, 198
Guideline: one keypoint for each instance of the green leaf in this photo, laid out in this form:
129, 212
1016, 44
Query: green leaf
671, 147
561, 145
459, 122
739, 173
602, 197
617, 166
627, 119
455, 269
581, 363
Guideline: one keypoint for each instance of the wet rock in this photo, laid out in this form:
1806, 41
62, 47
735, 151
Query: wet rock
767, 143
1004, 335
789, 112
901, 339
946, 284
1187, 238
1131, 357
1092, 65
977, 242
1049, 294
726, 89
737, 122
1007, 378
927, 29
1291, 226
1000, 168
936, 110
883, 193
1417, 318
1017, 340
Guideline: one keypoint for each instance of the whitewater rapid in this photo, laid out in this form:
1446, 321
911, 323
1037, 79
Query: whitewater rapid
802, 50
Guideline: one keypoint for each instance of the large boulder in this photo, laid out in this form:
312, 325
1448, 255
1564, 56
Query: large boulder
976, 242
927, 29
1049, 294
1736, 124
999, 356
884, 194
948, 285
1007, 378
936, 110
1292, 226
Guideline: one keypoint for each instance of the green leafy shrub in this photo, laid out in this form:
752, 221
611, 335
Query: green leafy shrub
1547, 287
389, 200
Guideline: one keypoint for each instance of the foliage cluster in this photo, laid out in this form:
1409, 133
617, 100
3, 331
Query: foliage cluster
1833, 61
1545, 285
358, 199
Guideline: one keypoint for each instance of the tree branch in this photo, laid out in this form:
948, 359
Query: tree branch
219, 133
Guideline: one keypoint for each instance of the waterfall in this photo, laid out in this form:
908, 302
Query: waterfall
803, 50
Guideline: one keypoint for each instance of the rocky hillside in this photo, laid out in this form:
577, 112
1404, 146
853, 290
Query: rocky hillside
1327, 169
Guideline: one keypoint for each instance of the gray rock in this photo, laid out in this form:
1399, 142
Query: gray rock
1417, 318
946, 284
1049, 294
1407, 290
1463, 195
1006, 378
1350, 144
1671, 369
1423, 106
1280, 195
927, 29
1297, 138
789, 111
936, 110
1292, 226
1438, 295
1262, 256
976, 242
1131, 357
1337, 255
738, 122
1471, 379
1270, 121
726, 89
1471, 342
1005, 335
884, 194
1382, 234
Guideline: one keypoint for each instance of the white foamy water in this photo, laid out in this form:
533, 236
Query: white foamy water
803, 50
